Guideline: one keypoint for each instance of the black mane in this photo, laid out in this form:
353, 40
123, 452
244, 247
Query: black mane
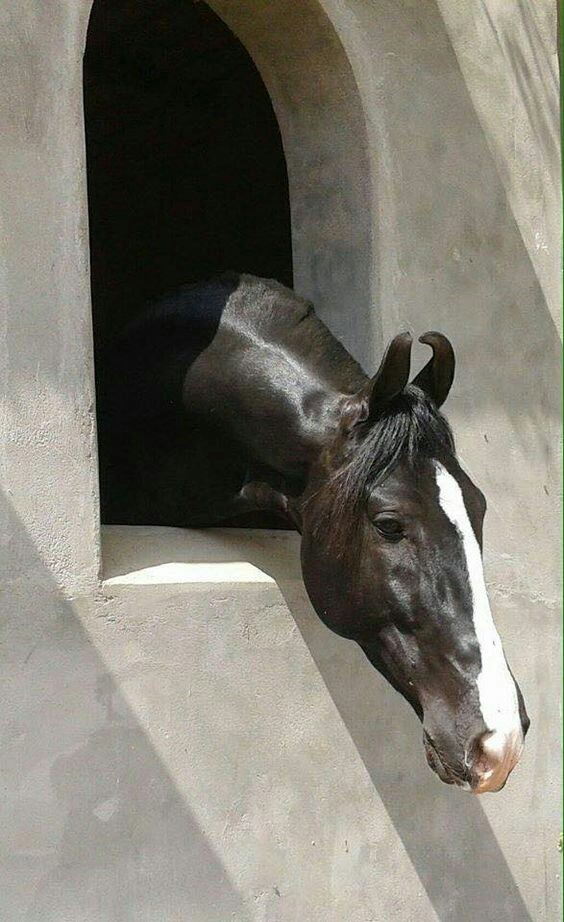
407, 430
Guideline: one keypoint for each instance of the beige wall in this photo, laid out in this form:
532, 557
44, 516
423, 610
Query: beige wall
209, 751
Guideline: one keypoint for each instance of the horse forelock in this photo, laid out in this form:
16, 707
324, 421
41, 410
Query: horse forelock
408, 430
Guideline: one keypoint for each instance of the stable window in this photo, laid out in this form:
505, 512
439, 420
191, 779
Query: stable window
190, 171
186, 173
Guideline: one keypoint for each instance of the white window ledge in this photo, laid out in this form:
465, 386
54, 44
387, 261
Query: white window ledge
151, 555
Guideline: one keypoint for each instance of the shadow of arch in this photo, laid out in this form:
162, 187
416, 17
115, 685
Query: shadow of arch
317, 103
445, 832
92, 825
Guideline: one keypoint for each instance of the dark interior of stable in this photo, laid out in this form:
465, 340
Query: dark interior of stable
186, 172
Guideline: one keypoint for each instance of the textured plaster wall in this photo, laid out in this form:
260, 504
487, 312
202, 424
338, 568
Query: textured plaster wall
46, 428
322, 122
207, 750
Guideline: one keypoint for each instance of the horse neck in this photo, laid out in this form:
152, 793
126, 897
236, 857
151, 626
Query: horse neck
280, 397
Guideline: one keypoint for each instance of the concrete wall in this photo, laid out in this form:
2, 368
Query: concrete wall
200, 747
323, 125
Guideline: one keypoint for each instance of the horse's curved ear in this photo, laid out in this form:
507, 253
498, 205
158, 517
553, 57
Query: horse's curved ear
391, 377
436, 377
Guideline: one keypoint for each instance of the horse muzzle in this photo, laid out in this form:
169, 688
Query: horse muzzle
486, 765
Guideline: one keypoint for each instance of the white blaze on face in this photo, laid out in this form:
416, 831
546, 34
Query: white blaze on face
496, 688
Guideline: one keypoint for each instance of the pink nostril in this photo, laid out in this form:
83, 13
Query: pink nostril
491, 748
496, 754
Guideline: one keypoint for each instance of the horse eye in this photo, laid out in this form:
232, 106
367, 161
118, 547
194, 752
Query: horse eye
389, 528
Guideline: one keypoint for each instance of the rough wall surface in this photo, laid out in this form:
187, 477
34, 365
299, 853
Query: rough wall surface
207, 750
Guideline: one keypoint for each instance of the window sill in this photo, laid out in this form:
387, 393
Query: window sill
153, 555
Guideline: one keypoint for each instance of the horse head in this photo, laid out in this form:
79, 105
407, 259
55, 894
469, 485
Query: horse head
392, 558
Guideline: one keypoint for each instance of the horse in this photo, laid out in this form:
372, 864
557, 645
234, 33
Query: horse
230, 397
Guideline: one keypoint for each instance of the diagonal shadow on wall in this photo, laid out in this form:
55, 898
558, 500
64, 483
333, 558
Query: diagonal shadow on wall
445, 832
93, 826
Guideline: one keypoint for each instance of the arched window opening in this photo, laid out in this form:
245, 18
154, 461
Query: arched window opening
186, 172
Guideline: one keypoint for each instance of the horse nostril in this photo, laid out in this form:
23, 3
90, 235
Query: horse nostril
487, 751
495, 754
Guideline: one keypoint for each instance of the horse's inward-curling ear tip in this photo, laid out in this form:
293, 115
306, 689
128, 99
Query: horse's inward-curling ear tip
426, 337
